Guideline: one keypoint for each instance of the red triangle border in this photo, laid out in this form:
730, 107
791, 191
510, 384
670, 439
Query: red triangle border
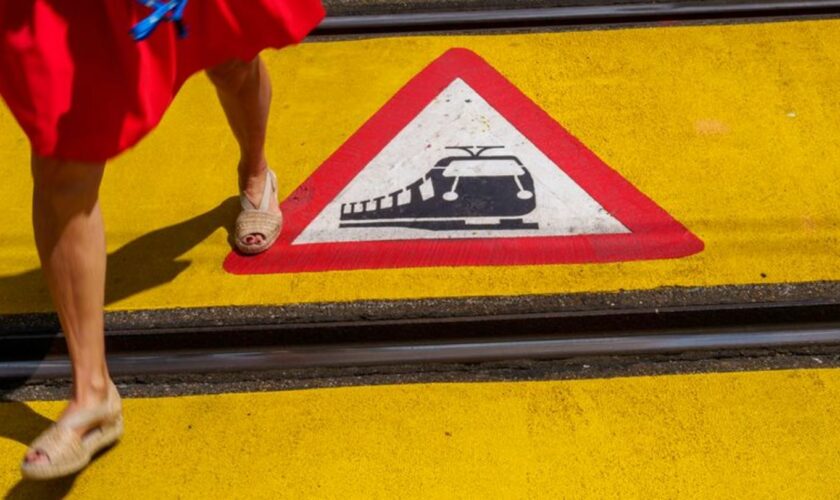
654, 233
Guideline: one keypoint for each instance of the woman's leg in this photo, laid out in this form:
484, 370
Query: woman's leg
244, 91
70, 237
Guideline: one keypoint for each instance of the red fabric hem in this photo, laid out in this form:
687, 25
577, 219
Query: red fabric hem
82, 90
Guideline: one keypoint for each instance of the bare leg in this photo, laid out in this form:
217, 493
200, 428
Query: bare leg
70, 236
244, 91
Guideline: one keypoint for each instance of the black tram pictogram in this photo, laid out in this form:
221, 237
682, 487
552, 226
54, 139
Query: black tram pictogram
472, 191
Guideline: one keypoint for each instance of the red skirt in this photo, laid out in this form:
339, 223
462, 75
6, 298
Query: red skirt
82, 89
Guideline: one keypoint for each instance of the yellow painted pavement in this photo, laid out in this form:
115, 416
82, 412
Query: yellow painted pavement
734, 435
731, 129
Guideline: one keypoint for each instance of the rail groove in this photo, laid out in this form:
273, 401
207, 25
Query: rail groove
570, 15
455, 339
476, 350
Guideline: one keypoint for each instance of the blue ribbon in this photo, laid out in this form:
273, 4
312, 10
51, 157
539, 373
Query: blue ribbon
172, 11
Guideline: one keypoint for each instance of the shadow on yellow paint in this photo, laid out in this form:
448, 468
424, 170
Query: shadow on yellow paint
153, 259
56, 488
51, 489
20, 423
146, 262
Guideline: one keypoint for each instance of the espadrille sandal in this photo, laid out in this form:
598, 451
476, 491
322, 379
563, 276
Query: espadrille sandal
65, 451
259, 220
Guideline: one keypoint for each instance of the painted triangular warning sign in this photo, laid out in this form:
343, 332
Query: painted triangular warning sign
461, 168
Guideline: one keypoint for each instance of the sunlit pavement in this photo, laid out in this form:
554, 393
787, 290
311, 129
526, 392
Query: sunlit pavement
734, 435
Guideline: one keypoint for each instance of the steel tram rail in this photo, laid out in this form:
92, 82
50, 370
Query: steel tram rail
282, 345
570, 15
244, 360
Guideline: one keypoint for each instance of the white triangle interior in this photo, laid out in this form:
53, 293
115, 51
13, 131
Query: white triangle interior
459, 116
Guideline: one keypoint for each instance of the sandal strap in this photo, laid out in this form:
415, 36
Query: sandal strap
88, 417
109, 410
269, 188
59, 443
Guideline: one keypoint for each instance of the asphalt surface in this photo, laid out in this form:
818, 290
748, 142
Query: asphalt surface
379, 310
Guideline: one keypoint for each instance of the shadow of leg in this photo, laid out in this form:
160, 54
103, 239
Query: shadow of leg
56, 488
156, 254
20, 422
